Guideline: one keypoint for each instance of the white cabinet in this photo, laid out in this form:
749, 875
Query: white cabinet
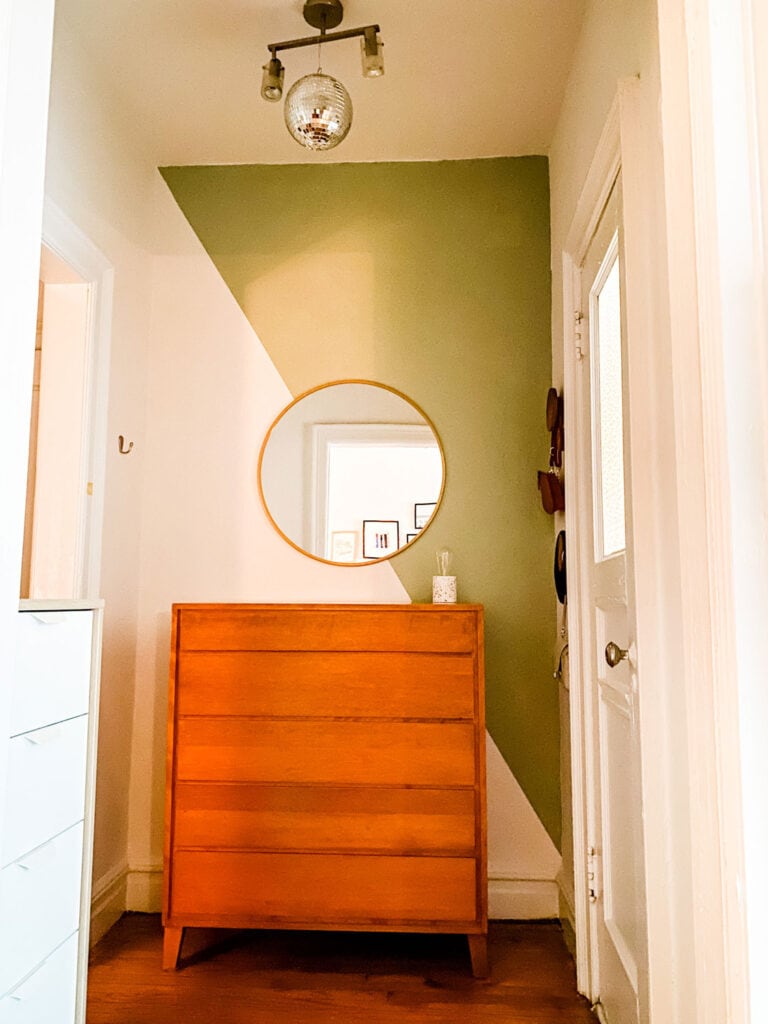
45, 881
49, 995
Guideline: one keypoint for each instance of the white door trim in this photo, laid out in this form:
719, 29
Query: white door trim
631, 139
712, 136
68, 242
26, 32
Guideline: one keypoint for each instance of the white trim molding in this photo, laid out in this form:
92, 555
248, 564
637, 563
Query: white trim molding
108, 902
522, 899
145, 888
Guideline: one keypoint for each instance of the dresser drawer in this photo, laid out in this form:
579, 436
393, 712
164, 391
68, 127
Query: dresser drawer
323, 888
53, 666
39, 904
49, 995
46, 785
331, 683
330, 628
387, 753
325, 818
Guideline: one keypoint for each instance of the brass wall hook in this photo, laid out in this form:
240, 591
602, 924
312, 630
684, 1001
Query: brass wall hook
121, 445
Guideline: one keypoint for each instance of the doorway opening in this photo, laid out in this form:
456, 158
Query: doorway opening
68, 417
56, 509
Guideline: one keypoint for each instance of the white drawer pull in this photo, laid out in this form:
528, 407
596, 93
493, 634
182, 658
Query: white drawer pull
22, 867
49, 618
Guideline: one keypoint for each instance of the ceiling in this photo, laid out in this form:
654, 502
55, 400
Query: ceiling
463, 79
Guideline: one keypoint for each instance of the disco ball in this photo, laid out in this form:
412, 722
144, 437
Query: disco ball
318, 111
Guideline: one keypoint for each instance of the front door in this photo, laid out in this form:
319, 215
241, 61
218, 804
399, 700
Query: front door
616, 886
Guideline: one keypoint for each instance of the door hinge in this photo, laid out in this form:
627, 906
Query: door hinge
594, 881
578, 316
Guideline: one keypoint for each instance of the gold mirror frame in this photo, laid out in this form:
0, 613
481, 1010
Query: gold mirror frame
321, 387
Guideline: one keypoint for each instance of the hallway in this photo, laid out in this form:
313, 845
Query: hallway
319, 978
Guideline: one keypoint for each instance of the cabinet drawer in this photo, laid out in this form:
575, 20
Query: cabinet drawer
49, 995
46, 785
325, 818
402, 628
53, 668
39, 904
331, 683
323, 888
392, 753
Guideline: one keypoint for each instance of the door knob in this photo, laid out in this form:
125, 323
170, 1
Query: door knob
614, 654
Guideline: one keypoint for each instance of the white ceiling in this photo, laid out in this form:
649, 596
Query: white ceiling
464, 78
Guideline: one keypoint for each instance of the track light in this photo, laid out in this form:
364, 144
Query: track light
372, 50
272, 80
318, 110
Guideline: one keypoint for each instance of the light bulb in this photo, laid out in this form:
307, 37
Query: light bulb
372, 52
272, 80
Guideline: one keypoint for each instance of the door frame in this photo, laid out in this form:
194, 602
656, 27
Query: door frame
629, 141
68, 242
26, 36
686, 604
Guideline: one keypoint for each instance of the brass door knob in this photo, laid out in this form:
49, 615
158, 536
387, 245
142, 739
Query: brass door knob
614, 654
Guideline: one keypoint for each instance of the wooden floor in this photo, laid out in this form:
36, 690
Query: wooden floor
332, 978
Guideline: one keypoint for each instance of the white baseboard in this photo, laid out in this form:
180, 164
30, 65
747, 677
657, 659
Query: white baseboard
522, 899
567, 914
108, 900
145, 889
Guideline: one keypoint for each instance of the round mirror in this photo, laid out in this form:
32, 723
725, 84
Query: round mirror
351, 472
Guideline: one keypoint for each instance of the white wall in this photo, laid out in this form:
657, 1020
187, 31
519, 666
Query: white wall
99, 180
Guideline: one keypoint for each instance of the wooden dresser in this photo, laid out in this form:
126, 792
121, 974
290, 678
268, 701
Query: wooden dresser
326, 770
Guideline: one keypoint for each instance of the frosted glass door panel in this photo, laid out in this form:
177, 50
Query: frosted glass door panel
608, 412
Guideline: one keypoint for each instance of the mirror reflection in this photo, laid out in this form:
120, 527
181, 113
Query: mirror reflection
351, 472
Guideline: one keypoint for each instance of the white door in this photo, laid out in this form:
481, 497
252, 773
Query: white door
616, 887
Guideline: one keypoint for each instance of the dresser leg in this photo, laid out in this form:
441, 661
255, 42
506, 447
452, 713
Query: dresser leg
478, 952
172, 940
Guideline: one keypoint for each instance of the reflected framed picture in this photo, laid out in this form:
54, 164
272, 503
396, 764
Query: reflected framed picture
343, 545
410, 536
422, 512
381, 537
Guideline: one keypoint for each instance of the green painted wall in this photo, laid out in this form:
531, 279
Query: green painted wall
433, 278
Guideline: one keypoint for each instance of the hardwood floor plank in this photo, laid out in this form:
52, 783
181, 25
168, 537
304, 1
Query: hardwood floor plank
273, 977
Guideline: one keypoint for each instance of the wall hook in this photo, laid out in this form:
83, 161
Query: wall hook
121, 445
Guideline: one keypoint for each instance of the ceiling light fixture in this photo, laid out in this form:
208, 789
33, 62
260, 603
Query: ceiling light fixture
318, 109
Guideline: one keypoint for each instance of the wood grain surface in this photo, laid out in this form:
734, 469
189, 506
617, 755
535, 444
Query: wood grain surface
273, 977
242, 816
327, 683
326, 769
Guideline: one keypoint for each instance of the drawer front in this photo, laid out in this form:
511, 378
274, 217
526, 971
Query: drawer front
49, 995
39, 904
327, 889
387, 753
325, 818
331, 683
53, 668
266, 628
46, 785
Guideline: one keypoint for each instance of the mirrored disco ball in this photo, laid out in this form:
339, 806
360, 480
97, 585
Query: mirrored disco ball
318, 111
